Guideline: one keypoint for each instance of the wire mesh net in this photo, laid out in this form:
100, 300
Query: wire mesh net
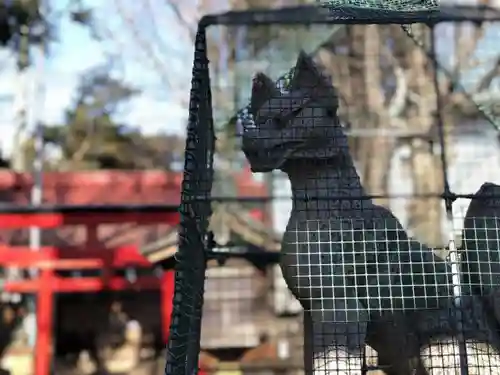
398, 5
363, 130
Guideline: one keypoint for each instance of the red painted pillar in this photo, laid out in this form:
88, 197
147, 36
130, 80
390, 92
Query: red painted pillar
167, 295
44, 307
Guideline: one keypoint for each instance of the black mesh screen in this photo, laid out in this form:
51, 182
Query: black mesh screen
362, 126
195, 211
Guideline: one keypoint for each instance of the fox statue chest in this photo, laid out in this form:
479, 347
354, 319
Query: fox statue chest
326, 258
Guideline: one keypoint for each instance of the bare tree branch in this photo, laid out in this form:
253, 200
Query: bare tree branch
398, 101
465, 46
158, 65
485, 81
181, 18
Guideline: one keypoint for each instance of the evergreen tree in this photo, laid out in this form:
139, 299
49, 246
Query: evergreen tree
91, 138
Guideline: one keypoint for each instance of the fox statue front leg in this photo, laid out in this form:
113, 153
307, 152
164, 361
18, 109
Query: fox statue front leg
336, 349
443, 358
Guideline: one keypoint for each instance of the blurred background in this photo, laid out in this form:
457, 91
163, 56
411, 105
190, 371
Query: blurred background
94, 102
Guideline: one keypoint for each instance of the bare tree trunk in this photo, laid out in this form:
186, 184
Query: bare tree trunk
377, 163
359, 77
425, 214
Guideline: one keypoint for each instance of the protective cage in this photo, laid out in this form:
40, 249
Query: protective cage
361, 277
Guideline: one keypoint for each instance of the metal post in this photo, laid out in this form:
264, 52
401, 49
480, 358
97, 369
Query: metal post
448, 198
18, 162
20, 105
37, 188
35, 233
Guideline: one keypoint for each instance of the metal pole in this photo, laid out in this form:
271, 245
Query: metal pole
39, 98
448, 198
35, 233
18, 162
20, 105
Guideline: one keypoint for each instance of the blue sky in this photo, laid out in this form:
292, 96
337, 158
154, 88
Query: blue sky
159, 107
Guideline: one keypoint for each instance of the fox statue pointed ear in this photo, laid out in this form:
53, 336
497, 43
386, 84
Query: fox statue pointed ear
306, 73
311, 77
263, 88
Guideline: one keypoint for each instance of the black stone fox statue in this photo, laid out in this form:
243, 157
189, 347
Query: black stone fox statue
348, 261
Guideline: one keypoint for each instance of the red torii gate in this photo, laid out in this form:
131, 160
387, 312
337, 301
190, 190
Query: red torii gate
50, 259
